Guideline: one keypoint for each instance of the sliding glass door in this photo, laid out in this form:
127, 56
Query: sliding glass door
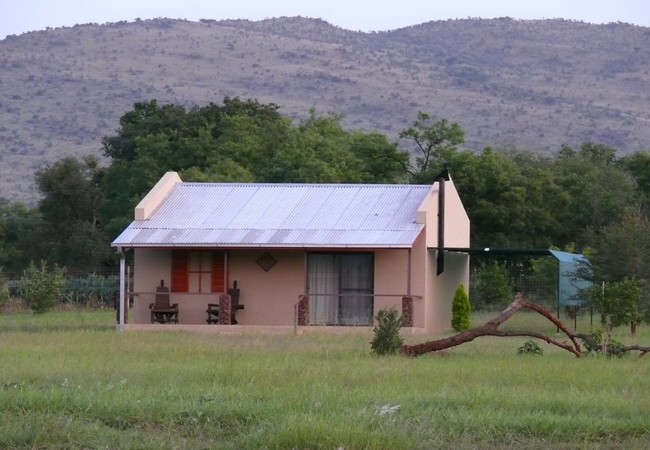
340, 287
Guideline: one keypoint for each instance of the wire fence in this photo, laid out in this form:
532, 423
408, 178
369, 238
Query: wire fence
494, 283
97, 288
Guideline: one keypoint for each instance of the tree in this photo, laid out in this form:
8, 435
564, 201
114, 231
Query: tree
619, 257
617, 303
70, 190
598, 191
638, 166
435, 143
509, 197
621, 250
380, 161
237, 141
71, 196
20, 240
174, 121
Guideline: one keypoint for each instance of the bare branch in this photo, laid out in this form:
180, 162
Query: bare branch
490, 329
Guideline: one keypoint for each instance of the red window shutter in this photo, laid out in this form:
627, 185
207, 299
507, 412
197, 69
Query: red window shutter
180, 271
218, 272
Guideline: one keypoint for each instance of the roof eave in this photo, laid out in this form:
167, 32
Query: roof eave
256, 246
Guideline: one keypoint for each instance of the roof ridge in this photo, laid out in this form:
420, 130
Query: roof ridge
329, 185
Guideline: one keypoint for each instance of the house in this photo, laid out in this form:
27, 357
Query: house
301, 254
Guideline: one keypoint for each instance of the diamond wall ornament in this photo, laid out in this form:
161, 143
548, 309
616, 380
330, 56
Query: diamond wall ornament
266, 261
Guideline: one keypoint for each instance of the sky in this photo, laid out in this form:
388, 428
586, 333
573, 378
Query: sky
18, 16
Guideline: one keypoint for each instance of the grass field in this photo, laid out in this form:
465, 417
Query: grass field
69, 381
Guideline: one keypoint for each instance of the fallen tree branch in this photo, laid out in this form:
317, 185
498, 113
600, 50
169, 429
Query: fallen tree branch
491, 329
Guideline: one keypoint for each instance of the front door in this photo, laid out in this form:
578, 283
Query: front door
340, 288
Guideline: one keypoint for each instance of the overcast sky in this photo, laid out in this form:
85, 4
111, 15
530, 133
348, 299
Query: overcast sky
17, 16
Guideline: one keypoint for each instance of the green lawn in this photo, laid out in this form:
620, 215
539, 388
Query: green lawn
69, 381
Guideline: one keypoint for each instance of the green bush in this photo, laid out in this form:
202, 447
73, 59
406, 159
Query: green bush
387, 339
530, 347
614, 347
4, 289
461, 310
42, 288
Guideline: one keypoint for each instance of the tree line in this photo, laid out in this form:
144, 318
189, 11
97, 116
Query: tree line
587, 198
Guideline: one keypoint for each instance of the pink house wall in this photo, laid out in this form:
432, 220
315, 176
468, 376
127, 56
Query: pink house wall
268, 297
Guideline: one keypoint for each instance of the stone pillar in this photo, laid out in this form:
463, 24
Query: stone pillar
303, 311
407, 310
225, 309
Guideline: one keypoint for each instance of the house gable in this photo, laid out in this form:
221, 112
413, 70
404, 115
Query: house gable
156, 196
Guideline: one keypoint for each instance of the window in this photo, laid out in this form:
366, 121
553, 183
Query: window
200, 278
333, 280
198, 271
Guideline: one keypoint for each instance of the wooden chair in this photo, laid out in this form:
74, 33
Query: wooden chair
234, 295
161, 310
213, 308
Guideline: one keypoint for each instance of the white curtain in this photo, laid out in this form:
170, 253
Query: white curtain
323, 278
340, 276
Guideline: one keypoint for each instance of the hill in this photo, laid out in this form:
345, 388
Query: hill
531, 84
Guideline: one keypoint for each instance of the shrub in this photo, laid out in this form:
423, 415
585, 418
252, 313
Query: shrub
41, 288
387, 339
493, 285
4, 289
614, 347
530, 347
461, 310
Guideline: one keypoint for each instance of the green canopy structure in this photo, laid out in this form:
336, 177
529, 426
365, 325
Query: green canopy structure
569, 286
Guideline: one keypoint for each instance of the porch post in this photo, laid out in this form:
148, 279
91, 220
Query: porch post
122, 280
408, 275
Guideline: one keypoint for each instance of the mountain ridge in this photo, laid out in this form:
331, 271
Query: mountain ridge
530, 84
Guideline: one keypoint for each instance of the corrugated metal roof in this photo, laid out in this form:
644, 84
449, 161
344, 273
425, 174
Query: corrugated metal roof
281, 215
